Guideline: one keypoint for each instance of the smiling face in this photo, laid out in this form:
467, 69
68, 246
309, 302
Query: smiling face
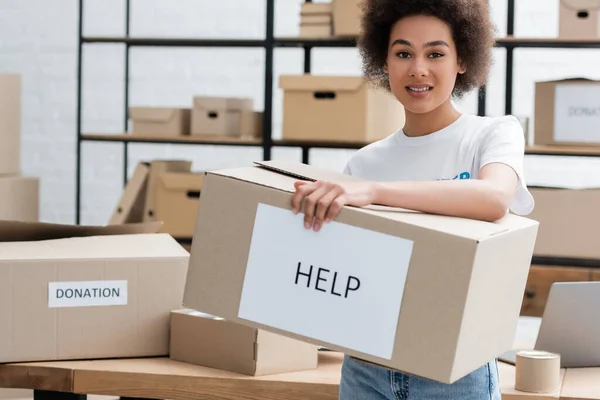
422, 63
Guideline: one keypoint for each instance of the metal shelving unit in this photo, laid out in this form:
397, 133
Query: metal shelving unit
269, 44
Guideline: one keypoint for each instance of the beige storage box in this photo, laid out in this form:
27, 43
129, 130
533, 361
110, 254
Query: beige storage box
406, 290
346, 17
10, 124
19, 198
579, 19
84, 292
337, 109
567, 112
156, 168
316, 20
223, 116
160, 121
203, 339
177, 198
130, 207
569, 222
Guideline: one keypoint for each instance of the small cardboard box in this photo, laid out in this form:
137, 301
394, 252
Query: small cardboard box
19, 198
569, 222
308, 30
84, 292
407, 290
177, 198
160, 121
346, 17
156, 168
567, 112
203, 339
578, 19
10, 124
337, 109
130, 207
223, 116
310, 8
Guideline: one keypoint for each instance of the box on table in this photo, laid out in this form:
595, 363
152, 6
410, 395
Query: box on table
578, 19
346, 17
337, 109
202, 339
227, 116
19, 198
403, 289
160, 121
569, 222
10, 124
567, 112
177, 198
81, 292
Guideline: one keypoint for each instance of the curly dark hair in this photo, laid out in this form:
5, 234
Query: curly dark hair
470, 23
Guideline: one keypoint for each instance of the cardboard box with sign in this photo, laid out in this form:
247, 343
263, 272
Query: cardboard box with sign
254, 263
94, 292
223, 116
337, 109
567, 112
203, 339
160, 121
10, 124
579, 19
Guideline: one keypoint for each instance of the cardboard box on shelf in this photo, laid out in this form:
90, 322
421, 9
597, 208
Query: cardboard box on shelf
177, 198
160, 121
569, 222
578, 19
253, 262
223, 116
567, 112
316, 20
93, 292
19, 198
315, 30
337, 109
156, 168
202, 339
10, 124
346, 18
316, 9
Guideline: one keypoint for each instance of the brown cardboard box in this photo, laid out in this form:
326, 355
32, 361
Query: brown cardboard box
177, 198
578, 19
346, 17
160, 121
19, 198
403, 289
202, 339
77, 292
10, 124
569, 222
316, 20
156, 168
567, 112
338, 109
316, 9
130, 208
222, 116
315, 30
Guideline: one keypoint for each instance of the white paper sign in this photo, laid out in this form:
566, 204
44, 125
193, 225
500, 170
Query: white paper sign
87, 294
577, 113
342, 285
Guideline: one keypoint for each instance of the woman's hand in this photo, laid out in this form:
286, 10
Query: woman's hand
322, 201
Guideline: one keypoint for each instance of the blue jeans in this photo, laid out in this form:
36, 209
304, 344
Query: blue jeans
362, 381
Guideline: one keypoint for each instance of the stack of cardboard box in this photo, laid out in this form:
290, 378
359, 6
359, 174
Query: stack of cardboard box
19, 195
316, 20
212, 116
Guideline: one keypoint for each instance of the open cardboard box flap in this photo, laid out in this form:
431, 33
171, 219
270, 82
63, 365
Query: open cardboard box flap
281, 175
17, 231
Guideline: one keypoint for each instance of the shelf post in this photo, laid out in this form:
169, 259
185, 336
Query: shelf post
78, 117
268, 101
126, 93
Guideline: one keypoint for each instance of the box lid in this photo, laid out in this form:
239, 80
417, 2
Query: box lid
181, 180
281, 175
320, 82
152, 114
18, 231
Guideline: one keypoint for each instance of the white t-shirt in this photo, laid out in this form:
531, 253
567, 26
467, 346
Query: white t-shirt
457, 151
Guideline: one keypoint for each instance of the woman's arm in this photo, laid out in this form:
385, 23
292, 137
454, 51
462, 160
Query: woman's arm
486, 198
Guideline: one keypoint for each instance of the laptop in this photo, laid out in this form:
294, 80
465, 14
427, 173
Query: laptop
570, 325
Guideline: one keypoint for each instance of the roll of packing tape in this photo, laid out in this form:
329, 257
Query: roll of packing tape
537, 371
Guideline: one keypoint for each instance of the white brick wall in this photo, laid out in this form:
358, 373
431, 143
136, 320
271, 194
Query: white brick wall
38, 38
